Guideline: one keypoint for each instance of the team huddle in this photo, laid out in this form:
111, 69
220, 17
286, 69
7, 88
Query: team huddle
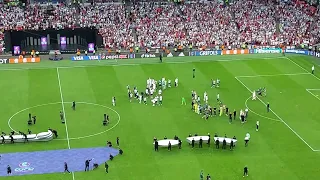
154, 91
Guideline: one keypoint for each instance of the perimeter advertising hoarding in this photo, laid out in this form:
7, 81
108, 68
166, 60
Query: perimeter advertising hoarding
4, 61
205, 53
316, 54
236, 51
85, 58
296, 51
268, 50
24, 60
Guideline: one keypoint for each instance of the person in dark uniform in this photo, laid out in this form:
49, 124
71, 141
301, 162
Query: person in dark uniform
234, 138
179, 144
29, 132
209, 140
268, 107
66, 168
74, 105
120, 151
245, 171
214, 111
34, 119
2, 141
160, 57
194, 73
217, 143
111, 157
25, 137
156, 145
9, 170
169, 146
224, 144
176, 137
215, 134
165, 137
30, 116
106, 166
227, 110
87, 163
192, 143
200, 142
104, 122
230, 117
234, 114
118, 141
208, 177
231, 145
11, 139
61, 117
54, 132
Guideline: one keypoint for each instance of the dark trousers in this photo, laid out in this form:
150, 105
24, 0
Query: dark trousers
107, 171
66, 170
86, 168
156, 148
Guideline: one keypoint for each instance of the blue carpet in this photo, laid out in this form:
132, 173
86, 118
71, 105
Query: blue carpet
43, 162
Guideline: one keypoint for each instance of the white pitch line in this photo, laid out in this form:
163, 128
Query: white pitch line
308, 90
271, 75
64, 113
278, 117
303, 68
137, 64
271, 119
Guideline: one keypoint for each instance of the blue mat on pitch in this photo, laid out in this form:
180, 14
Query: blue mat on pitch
43, 162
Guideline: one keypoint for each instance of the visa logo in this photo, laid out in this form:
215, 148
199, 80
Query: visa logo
78, 58
94, 57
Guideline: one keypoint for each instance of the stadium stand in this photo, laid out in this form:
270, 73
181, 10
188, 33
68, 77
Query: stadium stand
156, 24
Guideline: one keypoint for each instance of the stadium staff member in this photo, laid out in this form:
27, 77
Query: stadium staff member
87, 163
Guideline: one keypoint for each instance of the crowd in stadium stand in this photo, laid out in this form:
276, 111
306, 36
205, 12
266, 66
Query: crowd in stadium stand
158, 24
155, 24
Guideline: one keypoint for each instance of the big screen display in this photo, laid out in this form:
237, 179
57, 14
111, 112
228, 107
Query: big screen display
44, 41
63, 40
91, 47
16, 50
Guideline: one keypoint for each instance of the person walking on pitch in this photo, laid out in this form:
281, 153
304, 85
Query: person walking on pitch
106, 166
312, 69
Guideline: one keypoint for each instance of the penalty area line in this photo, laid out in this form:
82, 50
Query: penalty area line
271, 75
277, 116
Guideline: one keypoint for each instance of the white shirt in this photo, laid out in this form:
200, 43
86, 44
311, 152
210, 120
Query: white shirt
257, 123
246, 110
312, 68
160, 98
218, 96
248, 135
176, 80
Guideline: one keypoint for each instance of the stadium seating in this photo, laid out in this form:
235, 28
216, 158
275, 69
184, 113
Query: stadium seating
156, 24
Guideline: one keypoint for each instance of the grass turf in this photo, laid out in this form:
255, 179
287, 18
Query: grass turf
280, 150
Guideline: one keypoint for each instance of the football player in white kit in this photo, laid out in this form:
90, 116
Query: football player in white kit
176, 81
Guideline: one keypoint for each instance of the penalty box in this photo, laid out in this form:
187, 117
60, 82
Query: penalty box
297, 108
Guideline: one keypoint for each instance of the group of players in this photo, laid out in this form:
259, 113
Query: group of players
153, 91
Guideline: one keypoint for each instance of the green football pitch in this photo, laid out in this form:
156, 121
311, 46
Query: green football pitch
286, 147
